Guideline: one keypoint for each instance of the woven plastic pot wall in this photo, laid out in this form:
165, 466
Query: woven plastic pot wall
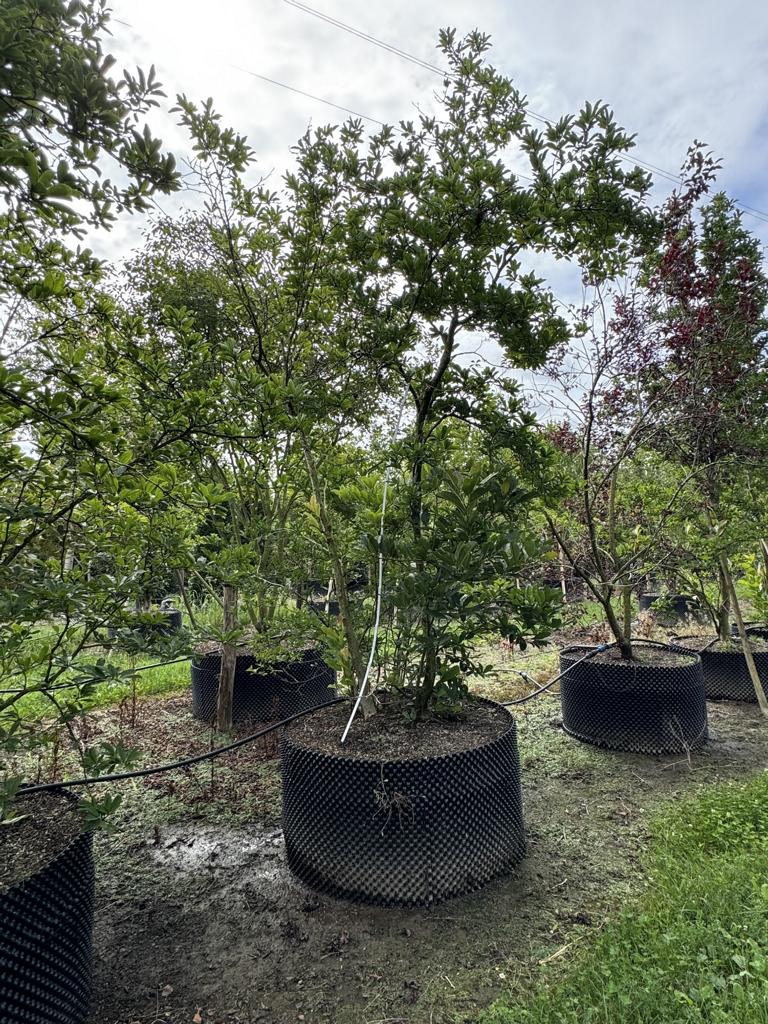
402, 833
288, 687
636, 707
752, 628
46, 923
726, 676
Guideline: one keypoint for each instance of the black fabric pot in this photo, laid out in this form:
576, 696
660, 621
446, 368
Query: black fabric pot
265, 696
680, 604
726, 676
402, 833
46, 925
640, 708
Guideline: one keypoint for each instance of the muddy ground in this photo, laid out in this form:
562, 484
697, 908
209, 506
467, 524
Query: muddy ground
198, 919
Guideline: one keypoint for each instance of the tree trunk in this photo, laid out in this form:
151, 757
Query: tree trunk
622, 638
180, 577
626, 601
745, 644
228, 661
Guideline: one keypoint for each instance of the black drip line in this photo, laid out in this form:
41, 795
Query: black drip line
139, 773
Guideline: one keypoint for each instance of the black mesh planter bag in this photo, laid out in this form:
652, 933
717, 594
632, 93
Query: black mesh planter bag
726, 676
46, 923
756, 629
402, 833
264, 695
639, 707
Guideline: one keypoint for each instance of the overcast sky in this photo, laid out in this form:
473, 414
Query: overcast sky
672, 71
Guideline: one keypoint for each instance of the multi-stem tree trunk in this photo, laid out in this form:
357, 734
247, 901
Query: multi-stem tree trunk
603, 592
228, 663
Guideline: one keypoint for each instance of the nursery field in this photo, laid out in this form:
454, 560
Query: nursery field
386, 530
199, 919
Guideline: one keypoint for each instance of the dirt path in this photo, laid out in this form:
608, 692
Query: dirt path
199, 920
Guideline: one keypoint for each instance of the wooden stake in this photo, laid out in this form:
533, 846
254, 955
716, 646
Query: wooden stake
228, 661
745, 644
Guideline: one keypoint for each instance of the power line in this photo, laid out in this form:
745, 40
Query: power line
306, 9
760, 215
309, 95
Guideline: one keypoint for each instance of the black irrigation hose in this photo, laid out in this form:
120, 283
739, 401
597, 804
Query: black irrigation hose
546, 686
172, 766
198, 758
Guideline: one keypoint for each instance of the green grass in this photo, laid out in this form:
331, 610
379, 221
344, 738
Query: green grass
161, 679
694, 950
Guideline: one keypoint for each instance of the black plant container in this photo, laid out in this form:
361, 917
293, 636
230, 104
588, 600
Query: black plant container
259, 694
46, 924
726, 676
637, 707
756, 629
402, 833
680, 605
171, 622
332, 608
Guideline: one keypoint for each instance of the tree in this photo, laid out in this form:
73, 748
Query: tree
61, 116
443, 226
618, 497
709, 294
64, 466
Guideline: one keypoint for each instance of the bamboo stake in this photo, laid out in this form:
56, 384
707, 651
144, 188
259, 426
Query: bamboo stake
745, 644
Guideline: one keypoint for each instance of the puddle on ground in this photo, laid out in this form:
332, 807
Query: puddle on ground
253, 850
